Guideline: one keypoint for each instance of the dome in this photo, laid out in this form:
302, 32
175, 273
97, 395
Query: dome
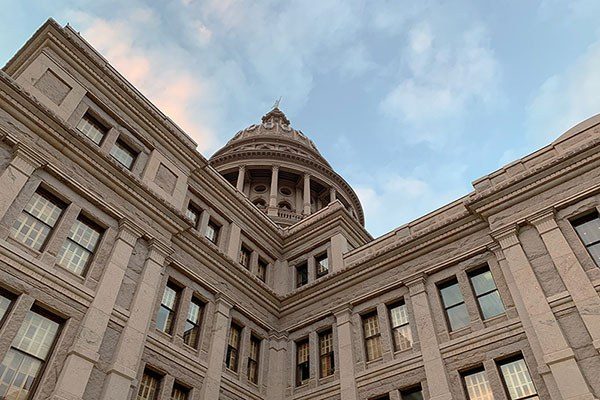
273, 151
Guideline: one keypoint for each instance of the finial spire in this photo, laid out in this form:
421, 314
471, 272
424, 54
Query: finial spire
276, 104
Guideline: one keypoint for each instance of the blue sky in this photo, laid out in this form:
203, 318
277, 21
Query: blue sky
409, 101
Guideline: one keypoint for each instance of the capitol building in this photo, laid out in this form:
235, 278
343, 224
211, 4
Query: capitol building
132, 267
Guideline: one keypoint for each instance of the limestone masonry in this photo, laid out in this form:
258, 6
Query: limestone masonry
132, 267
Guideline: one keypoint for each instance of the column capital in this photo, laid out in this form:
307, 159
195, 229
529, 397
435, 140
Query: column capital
544, 221
416, 284
223, 304
242, 167
497, 250
159, 250
507, 236
274, 167
342, 313
26, 160
129, 232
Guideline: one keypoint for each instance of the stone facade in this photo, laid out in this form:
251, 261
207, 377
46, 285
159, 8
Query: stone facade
251, 276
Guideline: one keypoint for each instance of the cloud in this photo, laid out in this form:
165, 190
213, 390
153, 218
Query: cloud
566, 99
445, 75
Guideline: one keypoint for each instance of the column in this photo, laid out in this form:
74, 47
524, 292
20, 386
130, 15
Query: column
332, 195
216, 352
437, 379
345, 354
83, 354
241, 178
339, 246
123, 369
576, 281
273, 195
16, 174
306, 202
275, 381
545, 330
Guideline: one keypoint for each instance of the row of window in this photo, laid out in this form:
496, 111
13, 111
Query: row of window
232, 357
321, 269
326, 357
25, 360
212, 230
96, 131
35, 224
167, 312
150, 385
245, 260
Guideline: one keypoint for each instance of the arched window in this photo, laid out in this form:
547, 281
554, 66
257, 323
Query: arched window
284, 205
260, 203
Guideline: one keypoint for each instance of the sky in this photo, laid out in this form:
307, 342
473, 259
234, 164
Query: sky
410, 101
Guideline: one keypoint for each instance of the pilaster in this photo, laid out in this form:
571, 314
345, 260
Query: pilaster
306, 195
278, 357
339, 246
241, 178
274, 187
346, 353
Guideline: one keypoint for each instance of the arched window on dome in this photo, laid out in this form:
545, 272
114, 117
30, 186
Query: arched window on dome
284, 205
260, 203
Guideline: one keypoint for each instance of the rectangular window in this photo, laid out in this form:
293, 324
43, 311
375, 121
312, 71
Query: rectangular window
245, 257
454, 305
233, 347
322, 263
6, 300
488, 298
91, 128
261, 272
588, 229
24, 362
517, 380
477, 385
149, 384
168, 307
253, 358
193, 213
302, 362
78, 248
124, 154
400, 328
212, 231
38, 218
326, 361
191, 332
179, 392
372, 334
301, 274
412, 394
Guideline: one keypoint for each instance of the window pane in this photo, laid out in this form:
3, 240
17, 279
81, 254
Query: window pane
169, 297
458, 317
399, 315
36, 335
17, 375
402, 338
4, 305
179, 392
451, 294
85, 235
478, 387
163, 319
301, 275
193, 214
373, 346
371, 325
194, 311
44, 209
30, 231
302, 350
589, 231
123, 154
212, 232
322, 265
483, 282
517, 379
414, 394
491, 305
595, 252
73, 257
190, 334
91, 128
148, 387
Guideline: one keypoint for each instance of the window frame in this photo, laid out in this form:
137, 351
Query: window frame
478, 271
192, 207
179, 386
254, 361
304, 366
510, 360
89, 223
376, 337
216, 229
95, 122
231, 350
245, 254
124, 146
588, 217
170, 312
326, 355
319, 258
196, 325
443, 285
261, 269
472, 371
159, 381
304, 266
397, 304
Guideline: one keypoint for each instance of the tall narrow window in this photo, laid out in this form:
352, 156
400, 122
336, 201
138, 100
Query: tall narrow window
24, 362
517, 380
212, 231
193, 213
588, 229
149, 384
326, 361
91, 128
233, 347
124, 154
477, 385
78, 248
488, 298
261, 272
5, 304
400, 328
372, 334
302, 362
38, 218
415, 393
301, 274
454, 305
245, 257
253, 359
179, 392
322, 263
168, 306
191, 332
